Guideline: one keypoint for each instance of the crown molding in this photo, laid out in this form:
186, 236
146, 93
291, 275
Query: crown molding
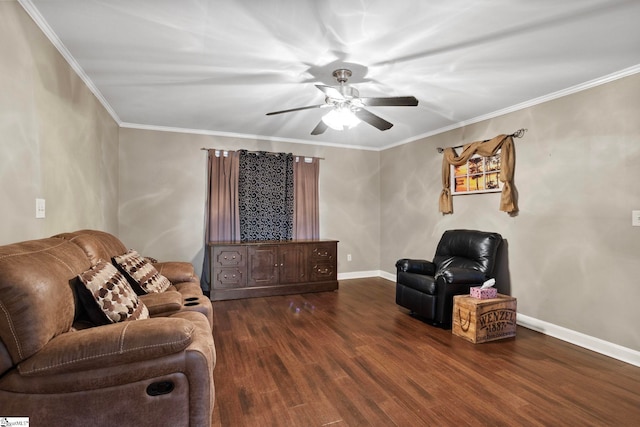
526, 104
241, 136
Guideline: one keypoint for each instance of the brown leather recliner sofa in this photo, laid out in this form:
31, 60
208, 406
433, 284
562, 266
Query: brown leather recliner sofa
57, 369
185, 292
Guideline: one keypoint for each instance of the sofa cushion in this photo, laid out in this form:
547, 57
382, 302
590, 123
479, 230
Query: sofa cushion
177, 271
107, 297
143, 277
97, 245
110, 346
36, 301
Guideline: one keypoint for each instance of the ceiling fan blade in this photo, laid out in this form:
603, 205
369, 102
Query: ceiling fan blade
331, 92
394, 101
372, 119
296, 109
320, 128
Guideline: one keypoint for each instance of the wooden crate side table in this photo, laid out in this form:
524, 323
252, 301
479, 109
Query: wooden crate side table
481, 320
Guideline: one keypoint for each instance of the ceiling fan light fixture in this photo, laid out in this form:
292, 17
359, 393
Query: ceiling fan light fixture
341, 119
348, 109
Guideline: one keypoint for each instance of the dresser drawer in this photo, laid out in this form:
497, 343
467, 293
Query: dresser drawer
229, 256
229, 278
322, 252
322, 271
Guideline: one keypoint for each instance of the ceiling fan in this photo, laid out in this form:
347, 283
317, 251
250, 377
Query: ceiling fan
347, 107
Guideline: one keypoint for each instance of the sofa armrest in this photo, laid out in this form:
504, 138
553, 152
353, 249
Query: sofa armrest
419, 266
110, 345
450, 282
162, 303
462, 275
177, 272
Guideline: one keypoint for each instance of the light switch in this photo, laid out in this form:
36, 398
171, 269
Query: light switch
39, 208
635, 218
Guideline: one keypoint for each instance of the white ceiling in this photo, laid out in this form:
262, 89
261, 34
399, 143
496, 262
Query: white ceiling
218, 66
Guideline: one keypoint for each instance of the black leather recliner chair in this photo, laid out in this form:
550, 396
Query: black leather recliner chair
464, 258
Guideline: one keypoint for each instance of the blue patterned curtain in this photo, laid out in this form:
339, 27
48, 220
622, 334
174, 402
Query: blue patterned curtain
266, 196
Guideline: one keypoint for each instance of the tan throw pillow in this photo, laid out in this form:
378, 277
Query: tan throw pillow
107, 297
142, 275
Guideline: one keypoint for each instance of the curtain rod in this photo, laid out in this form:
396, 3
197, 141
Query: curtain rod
517, 134
266, 152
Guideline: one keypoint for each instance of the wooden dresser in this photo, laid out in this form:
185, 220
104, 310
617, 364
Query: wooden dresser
264, 268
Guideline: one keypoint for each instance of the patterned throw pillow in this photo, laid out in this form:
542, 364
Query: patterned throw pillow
143, 277
107, 297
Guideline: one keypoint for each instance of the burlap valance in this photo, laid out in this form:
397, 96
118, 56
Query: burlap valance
508, 202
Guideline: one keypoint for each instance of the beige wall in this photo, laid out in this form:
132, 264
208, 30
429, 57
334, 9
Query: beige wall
573, 256
56, 141
162, 194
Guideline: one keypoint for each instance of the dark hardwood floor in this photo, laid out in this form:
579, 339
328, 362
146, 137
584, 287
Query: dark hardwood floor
354, 358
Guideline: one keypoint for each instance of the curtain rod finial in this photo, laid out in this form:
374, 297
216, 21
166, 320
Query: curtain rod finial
519, 133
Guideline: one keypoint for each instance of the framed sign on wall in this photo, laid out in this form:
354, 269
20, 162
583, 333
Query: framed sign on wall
478, 175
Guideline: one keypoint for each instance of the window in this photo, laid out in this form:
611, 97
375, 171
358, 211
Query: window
478, 175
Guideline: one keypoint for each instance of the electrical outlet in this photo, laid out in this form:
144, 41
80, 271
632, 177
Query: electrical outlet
635, 218
40, 205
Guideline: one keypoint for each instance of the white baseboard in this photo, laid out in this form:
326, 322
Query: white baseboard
359, 275
582, 340
366, 274
607, 348
388, 276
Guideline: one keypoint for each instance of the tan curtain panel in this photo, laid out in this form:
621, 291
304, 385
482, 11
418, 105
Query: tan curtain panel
223, 219
306, 219
508, 202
